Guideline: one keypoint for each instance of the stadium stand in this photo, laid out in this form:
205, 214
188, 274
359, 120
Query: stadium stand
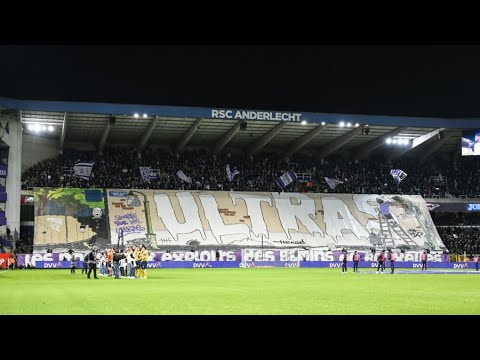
119, 168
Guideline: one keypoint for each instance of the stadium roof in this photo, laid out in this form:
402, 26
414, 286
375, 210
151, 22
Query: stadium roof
103, 124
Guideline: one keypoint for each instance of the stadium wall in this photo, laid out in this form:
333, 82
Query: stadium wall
270, 257
276, 264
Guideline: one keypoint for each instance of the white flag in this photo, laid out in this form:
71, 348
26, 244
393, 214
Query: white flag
146, 172
231, 175
184, 177
332, 183
398, 175
83, 170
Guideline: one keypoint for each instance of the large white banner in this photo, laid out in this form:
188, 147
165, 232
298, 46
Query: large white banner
273, 219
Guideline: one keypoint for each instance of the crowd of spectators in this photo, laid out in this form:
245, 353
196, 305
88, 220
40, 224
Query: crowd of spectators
25, 244
119, 168
460, 239
5, 245
459, 231
455, 218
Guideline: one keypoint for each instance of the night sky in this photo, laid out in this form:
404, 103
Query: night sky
438, 81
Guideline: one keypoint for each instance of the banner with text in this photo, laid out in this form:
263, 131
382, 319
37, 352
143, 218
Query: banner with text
4, 260
263, 264
3, 170
454, 206
272, 220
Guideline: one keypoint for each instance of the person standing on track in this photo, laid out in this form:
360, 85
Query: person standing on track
92, 262
381, 262
392, 258
72, 265
144, 257
85, 264
356, 259
424, 260
344, 261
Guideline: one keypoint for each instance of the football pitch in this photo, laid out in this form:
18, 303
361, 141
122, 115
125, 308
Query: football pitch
240, 291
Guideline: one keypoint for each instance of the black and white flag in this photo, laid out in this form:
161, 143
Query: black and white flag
286, 179
184, 177
332, 183
83, 170
231, 175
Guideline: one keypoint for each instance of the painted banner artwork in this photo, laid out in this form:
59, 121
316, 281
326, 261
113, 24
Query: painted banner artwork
272, 220
64, 216
237, 219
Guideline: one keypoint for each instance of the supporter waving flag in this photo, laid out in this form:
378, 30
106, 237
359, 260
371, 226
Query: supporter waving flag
184, 177
286, 179
146, 172
398, 175
231, 175
332, 183
83, 169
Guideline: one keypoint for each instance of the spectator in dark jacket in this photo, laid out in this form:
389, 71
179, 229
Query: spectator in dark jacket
92, 262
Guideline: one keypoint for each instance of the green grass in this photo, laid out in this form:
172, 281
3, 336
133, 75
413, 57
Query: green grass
238, 291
